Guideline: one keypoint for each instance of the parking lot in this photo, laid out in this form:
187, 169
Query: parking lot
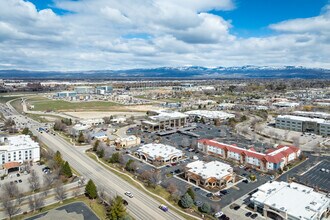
21, 179
318, 176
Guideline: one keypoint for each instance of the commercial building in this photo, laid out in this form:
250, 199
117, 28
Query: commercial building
14, 150
312, 114
272, 160
66, 94
281, 200
163, 120
160, 153
303, 124
76, 129
84, 89
212, 174
102, 90
209, 115
286, 104
129, 141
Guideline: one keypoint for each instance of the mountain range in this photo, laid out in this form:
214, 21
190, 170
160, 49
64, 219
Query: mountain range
196, 72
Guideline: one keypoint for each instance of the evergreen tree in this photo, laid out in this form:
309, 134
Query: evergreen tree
81, 138
100, 153
26, 131
191, 193
90, 190
66, 170
117, 209
186, 201
115, 158
58, 159
206, 208
96, 145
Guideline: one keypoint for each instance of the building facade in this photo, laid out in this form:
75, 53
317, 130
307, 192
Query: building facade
272, 160
129, 141
303, 124
19, 149
164, 120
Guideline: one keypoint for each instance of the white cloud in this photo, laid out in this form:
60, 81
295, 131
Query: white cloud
111, 34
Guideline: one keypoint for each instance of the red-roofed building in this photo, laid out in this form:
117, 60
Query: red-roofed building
273, 159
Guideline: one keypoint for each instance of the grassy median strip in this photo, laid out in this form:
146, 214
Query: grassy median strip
158, 190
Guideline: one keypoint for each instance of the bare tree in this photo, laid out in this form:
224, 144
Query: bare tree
10, 190
10, 206
60, 194
34, 181
155, 178
171, 188
48, 180
36, 202
76, 192
296, 141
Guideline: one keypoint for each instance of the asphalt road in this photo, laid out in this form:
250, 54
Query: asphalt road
142, 206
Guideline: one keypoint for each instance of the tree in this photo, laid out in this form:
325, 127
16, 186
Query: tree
206, 208
100, 153
117, 210
186, 201
26, 131
58, 159
96, 145
36, 202
10, 190
60, 194
11, 207
66, 170
130, 166
90, 190
11, 199
115, 158
171, 188
34, 181
81, 138
48, 180
191, 193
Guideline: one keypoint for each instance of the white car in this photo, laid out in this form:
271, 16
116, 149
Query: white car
218, 214
129, 194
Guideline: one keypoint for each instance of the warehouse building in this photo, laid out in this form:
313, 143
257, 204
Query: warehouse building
66, 94
84, 89
209, 115
281, 200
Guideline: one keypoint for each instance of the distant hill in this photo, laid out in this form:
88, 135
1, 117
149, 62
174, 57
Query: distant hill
177, 72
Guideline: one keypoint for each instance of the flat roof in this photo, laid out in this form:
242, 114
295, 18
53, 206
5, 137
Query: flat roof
159, 150
167, 114
297, 200
211, 114
211, 169
301, 118
19, 142
312, 114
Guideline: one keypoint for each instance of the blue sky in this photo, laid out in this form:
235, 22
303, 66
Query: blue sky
112, 34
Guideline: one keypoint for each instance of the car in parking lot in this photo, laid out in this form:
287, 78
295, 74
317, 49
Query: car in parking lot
197, 189
253, 216
218, 214
237, 207
248, 214
245, 181
198, 203
129, 194
209, 195
224, 192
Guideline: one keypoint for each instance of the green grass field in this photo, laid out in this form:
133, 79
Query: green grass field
60, 105
4, 99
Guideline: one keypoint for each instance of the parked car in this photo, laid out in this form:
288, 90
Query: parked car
253, 216
218, 214
198, 203
248, 214
197, 189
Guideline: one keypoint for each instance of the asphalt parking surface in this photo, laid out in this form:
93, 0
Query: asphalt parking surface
77, 207
317, 178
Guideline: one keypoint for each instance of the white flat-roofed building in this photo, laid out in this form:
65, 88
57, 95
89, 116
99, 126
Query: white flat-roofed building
76, 129
18, 149
286, 104
206, 114
212, 174
281, 200
303, 124
92, 121
312, 114
66, 94
84, 89
159, 153
164, 120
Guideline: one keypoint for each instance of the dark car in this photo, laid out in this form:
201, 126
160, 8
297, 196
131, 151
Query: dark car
224, 192
19, 180
197, 189
254, 216
125, 203
245, 181
237, 207
248, 214
209, 195
198, 203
